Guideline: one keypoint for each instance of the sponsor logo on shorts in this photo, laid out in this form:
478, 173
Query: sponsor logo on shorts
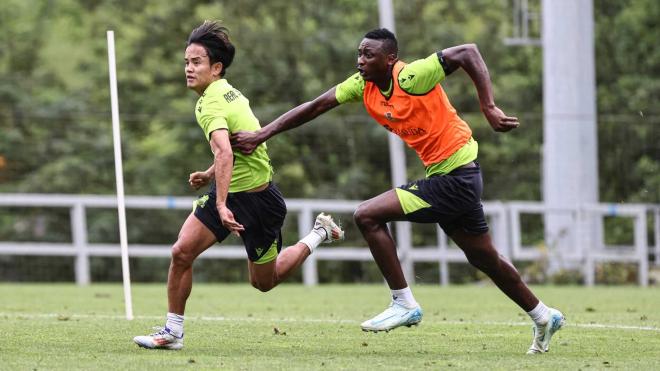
201, 202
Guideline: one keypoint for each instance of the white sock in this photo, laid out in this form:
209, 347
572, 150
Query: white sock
314, 238
175, 324
404, 297
540, 314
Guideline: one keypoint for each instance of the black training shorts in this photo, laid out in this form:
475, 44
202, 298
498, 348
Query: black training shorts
261, 214
452, 200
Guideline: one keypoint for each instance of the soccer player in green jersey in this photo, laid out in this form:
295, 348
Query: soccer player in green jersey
242, 199
407, 100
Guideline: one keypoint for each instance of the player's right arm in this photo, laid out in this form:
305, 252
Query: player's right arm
223, 165
246, 142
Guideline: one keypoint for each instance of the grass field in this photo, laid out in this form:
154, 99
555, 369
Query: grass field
64, 327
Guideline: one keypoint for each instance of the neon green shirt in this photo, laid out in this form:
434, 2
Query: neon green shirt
415, 78
222, 107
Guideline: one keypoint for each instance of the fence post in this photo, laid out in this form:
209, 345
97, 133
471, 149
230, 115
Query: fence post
500, 230
656, 219
79, 236
515, 233
310, 272
585, 244
641, 246
404, 245
444, 263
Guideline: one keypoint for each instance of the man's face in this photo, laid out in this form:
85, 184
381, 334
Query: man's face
373, 63
199, 71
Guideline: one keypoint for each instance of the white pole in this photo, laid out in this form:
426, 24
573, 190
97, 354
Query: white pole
398, 162
121, 205
570, 123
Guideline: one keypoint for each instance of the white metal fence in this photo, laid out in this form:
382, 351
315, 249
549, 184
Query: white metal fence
505, 223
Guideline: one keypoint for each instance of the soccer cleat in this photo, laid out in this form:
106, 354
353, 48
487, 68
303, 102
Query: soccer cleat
333, 232
162, 339
543, 333
394, 316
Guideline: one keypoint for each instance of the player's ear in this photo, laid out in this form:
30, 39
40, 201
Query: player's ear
391, 59
216, 69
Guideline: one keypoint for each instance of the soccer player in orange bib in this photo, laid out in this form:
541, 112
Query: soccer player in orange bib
407, 100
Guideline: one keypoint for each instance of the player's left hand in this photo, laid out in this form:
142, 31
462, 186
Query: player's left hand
227, 218
245, 141
498, 120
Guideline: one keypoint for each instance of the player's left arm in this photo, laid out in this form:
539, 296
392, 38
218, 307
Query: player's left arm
468, 58
199, 179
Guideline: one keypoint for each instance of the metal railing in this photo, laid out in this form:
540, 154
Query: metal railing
505, 223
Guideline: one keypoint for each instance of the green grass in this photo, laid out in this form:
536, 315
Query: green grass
64, 327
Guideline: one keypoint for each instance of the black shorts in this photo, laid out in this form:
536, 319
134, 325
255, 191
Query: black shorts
452, 200
261, 214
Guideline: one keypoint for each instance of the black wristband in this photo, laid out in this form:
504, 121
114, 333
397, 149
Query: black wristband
445, 67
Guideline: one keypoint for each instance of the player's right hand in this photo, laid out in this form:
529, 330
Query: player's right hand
498, 120
227, 218
245, 141
199, 179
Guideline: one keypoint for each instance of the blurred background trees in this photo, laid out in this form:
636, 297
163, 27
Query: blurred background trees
55, 128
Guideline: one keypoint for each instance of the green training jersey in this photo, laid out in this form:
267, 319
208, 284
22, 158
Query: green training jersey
222, 107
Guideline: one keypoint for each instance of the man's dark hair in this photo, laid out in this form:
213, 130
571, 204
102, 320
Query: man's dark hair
215, 39
390, 44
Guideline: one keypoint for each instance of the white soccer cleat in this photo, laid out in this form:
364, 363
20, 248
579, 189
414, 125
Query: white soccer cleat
162, 339
394, 316
333, 232
543, 333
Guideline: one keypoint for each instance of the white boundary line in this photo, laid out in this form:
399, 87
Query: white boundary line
309, 320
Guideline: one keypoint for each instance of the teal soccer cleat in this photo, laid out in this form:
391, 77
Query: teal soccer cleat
543, 333
394, 316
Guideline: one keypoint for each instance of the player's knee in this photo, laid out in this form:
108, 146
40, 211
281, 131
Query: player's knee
262, 286
362, 216
180, 256
483, 261
266, 288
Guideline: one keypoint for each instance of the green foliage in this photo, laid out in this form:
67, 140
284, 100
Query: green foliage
56, 123
628, 78
55, 128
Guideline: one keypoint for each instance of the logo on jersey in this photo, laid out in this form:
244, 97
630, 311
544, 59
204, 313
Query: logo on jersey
406, 132
389, 117
231, 96
409, 78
